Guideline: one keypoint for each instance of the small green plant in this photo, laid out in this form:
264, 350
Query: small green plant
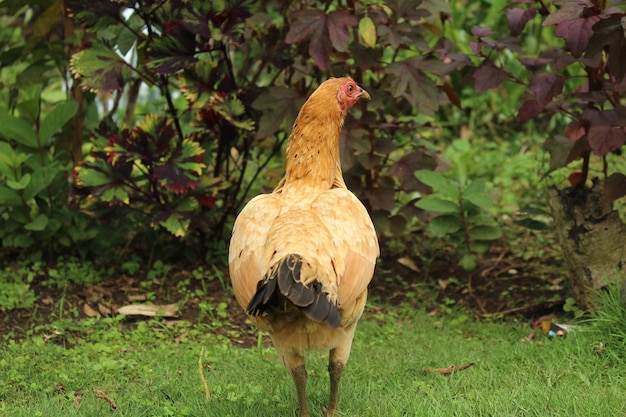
15, 289
461, 209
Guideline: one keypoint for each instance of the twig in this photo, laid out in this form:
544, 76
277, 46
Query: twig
449, 370
543, 304
207, 393
485, 271
111, 401
480, 304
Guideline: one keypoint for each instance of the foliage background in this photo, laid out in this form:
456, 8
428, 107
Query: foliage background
141, 128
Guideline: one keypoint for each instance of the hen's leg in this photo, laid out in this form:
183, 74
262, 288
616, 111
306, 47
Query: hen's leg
334, 371
295, 364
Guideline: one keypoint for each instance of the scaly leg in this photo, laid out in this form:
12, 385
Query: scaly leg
334, 371
299, 378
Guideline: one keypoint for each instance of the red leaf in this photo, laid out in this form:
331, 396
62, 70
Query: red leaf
488, 76
517, 19
604, 139
615, 187
575, 178
569, 10
529, 109
338, 23
577, 33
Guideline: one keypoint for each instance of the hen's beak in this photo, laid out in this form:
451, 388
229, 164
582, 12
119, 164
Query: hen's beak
364, 94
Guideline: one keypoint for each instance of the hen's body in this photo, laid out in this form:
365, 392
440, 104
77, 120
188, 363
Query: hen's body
301, 258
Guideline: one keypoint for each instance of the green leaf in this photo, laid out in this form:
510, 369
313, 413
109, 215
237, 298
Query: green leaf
7, 159
446, 224
56, 118
485, 232
468, 262
38, 224
438, 183
481, 246
21, 184
9, 197
176, 224
437, 204
367, 30
41, 179
13, 128
476, 194
101, 69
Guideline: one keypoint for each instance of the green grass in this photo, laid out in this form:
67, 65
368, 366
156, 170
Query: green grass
148, 374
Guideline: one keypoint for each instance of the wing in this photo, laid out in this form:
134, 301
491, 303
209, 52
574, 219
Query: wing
355, 241
246, 253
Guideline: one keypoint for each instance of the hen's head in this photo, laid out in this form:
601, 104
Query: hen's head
344, 90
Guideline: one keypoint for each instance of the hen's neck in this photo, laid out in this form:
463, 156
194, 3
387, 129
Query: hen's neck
313, 151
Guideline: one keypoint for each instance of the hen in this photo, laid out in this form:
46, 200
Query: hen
301, 258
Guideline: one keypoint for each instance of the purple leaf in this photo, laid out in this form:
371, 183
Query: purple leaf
535, 64
615, 187
577, 33
569, 10
338, 23
481, 31
546, 86
404, 170
517, 19
529, 109
488, 76
604, 139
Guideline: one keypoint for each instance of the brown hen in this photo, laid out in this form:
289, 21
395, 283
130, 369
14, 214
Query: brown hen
301, 257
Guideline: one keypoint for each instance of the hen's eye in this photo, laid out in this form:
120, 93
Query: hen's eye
350, 89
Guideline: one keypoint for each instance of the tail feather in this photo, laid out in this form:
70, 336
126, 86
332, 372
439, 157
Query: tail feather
310, 299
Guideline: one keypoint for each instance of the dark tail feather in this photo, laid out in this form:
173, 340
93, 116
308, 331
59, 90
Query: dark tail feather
310, 299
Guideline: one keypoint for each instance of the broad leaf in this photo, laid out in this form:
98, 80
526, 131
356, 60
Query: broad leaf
181, 171
517, 18
100, 180
410, 82
439, 205
438, 183
100, 69
610, 33
56, 118
327, 31
20, 184
172, 52
577, 33
14, 128
568, 10
484, 232
9, 197
367, 30
445, 224
488, 76
559, 148
406, 167
38, 224
604, 139
280, 106
615, 187
41, 178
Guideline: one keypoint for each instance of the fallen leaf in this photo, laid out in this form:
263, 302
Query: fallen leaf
102, 395
137, 297
448, 370
150, 310
409, 263
89, 311
104, 310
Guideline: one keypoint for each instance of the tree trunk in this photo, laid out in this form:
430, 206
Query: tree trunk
592, 238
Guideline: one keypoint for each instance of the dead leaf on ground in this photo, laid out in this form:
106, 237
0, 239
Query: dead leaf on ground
150, 310
104, 310
111, 401
408, 262
78, 396
448, 370
89, 311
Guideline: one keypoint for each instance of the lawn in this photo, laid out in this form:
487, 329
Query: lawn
91, 367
